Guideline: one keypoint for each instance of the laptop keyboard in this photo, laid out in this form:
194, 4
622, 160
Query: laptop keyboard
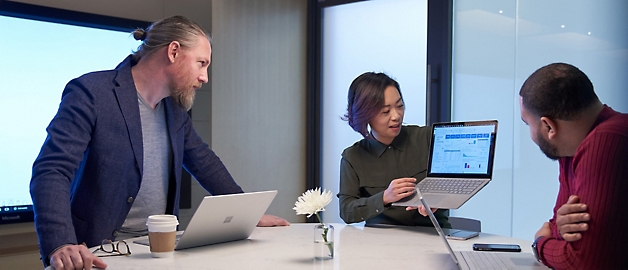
483, 260
449, 186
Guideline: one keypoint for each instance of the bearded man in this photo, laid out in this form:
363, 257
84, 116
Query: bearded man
116, 148
590, 141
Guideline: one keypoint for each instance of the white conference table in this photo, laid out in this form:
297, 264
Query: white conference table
291, 247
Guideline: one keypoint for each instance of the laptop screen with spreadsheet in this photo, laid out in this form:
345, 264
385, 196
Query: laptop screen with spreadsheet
462, 149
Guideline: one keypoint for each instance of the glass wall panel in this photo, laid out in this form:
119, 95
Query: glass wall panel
592, 35
387, 36
497, 45
483, 79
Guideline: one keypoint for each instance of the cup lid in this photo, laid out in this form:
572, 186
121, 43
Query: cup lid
162, 219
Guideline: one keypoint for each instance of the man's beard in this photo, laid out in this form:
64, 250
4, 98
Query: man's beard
184, 99
549, 150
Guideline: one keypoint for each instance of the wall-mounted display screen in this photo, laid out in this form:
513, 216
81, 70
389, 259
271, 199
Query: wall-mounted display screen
38, 59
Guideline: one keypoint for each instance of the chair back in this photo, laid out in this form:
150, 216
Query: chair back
467, 224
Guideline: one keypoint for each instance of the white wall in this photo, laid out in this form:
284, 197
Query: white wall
497, 45
258, 96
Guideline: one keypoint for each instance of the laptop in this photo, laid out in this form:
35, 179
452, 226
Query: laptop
460, 163
483, 259
223, 218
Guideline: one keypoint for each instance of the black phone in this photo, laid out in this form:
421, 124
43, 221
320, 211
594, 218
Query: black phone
497, 247
461, 234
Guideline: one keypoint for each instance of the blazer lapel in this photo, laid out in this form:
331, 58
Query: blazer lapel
126, 95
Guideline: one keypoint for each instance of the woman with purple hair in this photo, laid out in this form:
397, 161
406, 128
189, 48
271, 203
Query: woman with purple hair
384, 166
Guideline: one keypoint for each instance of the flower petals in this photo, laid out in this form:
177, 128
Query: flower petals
312, 201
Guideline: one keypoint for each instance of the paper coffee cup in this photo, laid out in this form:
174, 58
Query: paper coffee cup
162, 234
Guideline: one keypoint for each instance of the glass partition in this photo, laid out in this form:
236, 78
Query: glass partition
387, 36
497, 45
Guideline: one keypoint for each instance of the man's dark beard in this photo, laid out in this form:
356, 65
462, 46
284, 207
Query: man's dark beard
549, 150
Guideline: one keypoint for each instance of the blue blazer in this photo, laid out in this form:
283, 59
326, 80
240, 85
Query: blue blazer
89, 170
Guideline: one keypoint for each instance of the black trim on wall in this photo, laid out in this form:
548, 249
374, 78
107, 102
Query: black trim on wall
313, 98
55, 15
329, 3
439, 51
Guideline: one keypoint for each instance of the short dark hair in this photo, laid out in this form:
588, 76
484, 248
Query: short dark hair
366, 99
558, 91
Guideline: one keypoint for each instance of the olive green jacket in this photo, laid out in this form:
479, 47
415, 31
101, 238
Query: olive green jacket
368, 167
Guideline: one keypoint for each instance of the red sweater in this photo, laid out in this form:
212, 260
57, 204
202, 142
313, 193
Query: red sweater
598, 174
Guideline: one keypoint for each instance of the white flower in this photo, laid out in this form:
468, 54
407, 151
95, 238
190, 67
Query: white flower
312, 201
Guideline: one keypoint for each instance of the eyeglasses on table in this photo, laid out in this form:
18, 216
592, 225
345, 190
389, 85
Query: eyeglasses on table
117, 248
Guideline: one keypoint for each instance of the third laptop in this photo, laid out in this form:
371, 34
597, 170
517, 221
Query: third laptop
460, 163
467, 260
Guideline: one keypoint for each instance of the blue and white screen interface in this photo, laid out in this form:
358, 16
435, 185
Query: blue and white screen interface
462, 149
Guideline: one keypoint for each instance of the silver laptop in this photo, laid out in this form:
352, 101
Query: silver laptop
460, 164
223, 218
483, 259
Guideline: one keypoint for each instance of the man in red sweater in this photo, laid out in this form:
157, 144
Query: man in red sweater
590, 141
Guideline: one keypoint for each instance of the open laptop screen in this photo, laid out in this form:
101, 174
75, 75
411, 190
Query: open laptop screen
462, 148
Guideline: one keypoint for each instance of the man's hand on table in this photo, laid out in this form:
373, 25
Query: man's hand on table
72, 257
271, 221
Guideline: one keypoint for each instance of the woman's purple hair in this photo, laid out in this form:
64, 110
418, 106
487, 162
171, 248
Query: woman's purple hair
366, 99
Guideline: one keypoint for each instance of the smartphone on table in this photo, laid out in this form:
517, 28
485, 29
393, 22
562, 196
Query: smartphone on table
497, 247
461, 234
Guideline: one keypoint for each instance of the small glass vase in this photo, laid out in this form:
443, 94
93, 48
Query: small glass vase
323, 242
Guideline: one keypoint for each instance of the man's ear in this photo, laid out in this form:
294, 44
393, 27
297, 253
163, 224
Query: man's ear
549, 127
174, 48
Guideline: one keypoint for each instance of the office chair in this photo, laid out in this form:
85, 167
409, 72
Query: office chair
467, 224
